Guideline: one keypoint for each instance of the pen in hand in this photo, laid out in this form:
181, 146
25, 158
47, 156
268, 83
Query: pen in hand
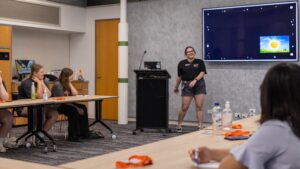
196, 157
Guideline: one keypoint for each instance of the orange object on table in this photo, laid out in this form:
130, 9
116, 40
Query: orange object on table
238, 133
236, 126
59, 98
134, 161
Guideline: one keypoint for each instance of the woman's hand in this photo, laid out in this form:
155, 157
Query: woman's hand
34, 78
204, 155
80, 111
176, 90
192, 83
1, 78
66, 93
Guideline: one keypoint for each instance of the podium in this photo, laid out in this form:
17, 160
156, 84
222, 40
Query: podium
152, 100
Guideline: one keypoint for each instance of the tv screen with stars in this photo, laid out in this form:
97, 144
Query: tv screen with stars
260, 32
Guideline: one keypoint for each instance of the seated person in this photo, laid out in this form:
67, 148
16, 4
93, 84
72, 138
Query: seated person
276, 144
37, 77
76, 113
5, 119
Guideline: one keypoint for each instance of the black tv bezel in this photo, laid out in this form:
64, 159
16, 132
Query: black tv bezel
23, 60
252, 60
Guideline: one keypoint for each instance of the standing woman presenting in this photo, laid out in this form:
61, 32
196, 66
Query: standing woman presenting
191, 73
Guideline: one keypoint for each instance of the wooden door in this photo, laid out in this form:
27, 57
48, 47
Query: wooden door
107, 65
5, 47
5, 67
5, 37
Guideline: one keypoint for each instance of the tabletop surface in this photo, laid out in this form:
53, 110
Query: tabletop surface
53, 100
17, 164
169, 153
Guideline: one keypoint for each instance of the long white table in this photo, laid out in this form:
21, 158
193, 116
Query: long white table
83, 98
17, 164
53, 100
166, 154
35, 112
35, 117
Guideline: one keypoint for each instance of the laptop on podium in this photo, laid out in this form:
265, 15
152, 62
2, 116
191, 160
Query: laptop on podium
152, 65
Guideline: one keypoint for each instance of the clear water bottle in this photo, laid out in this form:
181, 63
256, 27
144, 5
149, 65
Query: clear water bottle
32, 94
227, 116
45, 95
216, 118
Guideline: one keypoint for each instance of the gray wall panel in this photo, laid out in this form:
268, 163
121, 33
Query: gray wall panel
164, 28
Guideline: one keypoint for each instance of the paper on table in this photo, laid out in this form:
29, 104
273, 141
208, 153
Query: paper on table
210, 165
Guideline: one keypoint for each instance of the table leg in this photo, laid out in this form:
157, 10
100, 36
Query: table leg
35, 122
35, 125
40, 119
30, 124
98, 116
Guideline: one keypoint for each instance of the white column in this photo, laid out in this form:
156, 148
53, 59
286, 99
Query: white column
123, 66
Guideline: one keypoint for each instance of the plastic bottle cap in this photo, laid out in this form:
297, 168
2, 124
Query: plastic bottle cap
227, 104
217, 104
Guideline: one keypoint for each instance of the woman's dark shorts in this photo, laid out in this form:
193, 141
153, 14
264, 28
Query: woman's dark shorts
199, 88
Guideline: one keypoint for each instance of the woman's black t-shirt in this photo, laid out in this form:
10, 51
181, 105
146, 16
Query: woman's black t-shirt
25, 88
189, 71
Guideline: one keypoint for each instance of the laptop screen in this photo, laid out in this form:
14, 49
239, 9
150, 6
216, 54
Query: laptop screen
152, 65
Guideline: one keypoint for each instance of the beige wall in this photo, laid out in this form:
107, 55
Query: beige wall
47, 48
83, 45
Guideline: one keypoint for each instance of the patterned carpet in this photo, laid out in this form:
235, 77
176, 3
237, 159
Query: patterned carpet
73, 151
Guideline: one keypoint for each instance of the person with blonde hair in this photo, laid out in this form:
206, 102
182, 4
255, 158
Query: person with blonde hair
37, 78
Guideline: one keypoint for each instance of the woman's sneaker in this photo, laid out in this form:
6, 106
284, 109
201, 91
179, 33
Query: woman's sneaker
179, 129
2, 149
200, 127
10, 143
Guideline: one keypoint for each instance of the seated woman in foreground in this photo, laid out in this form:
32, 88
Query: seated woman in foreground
276, 144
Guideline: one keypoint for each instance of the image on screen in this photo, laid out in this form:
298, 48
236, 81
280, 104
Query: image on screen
274, 44
24, 66
260, 32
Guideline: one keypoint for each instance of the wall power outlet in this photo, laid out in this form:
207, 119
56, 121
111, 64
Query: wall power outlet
252, 112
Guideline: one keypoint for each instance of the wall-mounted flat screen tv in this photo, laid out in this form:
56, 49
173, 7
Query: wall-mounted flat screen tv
263, 32
24, 66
